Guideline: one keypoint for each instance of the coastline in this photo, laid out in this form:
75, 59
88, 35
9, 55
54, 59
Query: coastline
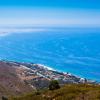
50, 69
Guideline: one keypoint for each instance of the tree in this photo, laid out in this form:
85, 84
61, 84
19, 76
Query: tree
54, 85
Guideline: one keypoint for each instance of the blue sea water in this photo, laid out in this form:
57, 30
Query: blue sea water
77, 52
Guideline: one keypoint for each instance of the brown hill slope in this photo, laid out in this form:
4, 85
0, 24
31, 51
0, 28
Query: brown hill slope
10, 83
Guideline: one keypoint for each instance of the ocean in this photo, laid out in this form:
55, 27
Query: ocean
67, 50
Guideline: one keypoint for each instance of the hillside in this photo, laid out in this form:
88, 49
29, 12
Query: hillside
10, 83
22, 78
67, 92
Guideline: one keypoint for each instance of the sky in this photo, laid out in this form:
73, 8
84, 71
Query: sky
70, 13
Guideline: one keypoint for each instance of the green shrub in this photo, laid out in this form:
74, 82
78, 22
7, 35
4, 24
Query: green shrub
54, 85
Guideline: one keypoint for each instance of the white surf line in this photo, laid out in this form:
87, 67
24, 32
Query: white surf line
49, 68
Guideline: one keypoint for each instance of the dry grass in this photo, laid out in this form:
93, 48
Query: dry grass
67, 92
